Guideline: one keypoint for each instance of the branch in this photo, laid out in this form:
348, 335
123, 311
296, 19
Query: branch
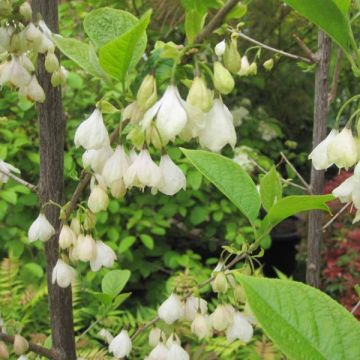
40, 350
336, 215
19, 180
308, 53
336, 77
267, 47
216, 21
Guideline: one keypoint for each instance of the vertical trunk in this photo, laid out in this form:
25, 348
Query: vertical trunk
51, 187
317, 177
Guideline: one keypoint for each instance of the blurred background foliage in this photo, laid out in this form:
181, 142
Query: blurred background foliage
156, 237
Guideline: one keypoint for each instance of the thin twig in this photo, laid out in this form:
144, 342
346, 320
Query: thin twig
355, 307
336, 216
267, 47
336, 77
216, 21
308, 53
19, 180
308, 187
49, 353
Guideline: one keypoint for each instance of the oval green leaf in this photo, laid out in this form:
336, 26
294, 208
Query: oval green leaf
114, 281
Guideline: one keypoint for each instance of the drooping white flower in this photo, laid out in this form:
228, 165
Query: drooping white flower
171, 309
239, 329
342, 149
194, 305
92, 133
96, 159
201, 326
105, 256
105, 334
159, 352
219, 129
170, 113
15, 73
173, 179
176, 352
116, 166
98, 199
67, 237
245, 65
63, 274
143, 172
6, 168
85, 248
154, 336
220, 48
33, 33
20, 344
33, 91
222, 317
121, 345
196, 122
319, 155
41, 229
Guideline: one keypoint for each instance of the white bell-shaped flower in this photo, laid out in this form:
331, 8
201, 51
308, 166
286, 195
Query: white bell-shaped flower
41, 229
92, 133
33, 33
159, 352
176, 352
67, 237
105, 256
201, 326
143, 172
171, 309
196, 122
5, 36
194, 305
63, 274
222, 317
219, 129
170, 113
245, 66
33, 90
220, 48
342, 149
239, 329
173, 179
15, 73
319, 155
96, 159
98, 199
5, 169
154, 336
85, 248
121, 345
20, 344
116, 166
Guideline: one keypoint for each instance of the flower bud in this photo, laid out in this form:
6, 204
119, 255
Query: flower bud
252, 69
239, 294
220, 283
25, 11
239, 329
147, 94
154, 336
220, 48
33, 90
171, 309
20, 344
32, 33
160, 352
5, 34
98, 199
85, 248
244, 69
231, 57
118, 189
4, 352
58, 78
18, 43
268, 64
199, 95
63, 274
90, 220
75, 226
5, 8
223, 81
222, 317
201, 327
136, 136
51, 62
67, 237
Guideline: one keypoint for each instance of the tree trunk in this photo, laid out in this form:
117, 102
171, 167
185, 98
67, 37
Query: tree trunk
317, 177
51, 187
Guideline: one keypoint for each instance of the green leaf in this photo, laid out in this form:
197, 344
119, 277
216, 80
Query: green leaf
270, 189
118, 56
343, 5
302, 321
114, 281
194, 23
229, 178
292, 205
329, 15
9, 196
199, 214
126, 243
82, 54
147, 240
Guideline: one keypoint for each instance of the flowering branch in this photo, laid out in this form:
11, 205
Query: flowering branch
19, 180
49, 353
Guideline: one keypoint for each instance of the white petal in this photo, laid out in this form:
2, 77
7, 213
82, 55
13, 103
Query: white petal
173, 179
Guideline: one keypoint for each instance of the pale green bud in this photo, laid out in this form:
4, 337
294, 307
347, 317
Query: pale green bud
199, 95
220, 284
118, 189
51, 62
90, 220
136, 136
239, 294
18, 43
58, 78
223, 81
252, 69
231, 57
25, 11
268, 64
5, 8
147, 94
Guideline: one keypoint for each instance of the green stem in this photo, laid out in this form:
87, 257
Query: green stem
346, 103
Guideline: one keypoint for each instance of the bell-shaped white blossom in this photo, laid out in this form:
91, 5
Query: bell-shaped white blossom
96, 159
6, 169
98, 199
20, 344
106, 335
170, 113
222, 317
63, 274
41, 229
105, 256
33, 33
154, 336
159, 352
67, 237
15, 73
121, 345
219, 129
319, 155
245, 66
194, 305
92, 133
5, 36
171, 309
143, 172
85, 248
239, 329
196, 122
201, 326
220, 48
175, 351
342, 149
116, 166
172, 178
33, 90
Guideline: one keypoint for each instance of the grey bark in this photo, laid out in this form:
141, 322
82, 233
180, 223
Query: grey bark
51, 187
317, 177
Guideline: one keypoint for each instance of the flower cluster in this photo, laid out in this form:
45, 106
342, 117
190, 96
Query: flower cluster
20, 41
